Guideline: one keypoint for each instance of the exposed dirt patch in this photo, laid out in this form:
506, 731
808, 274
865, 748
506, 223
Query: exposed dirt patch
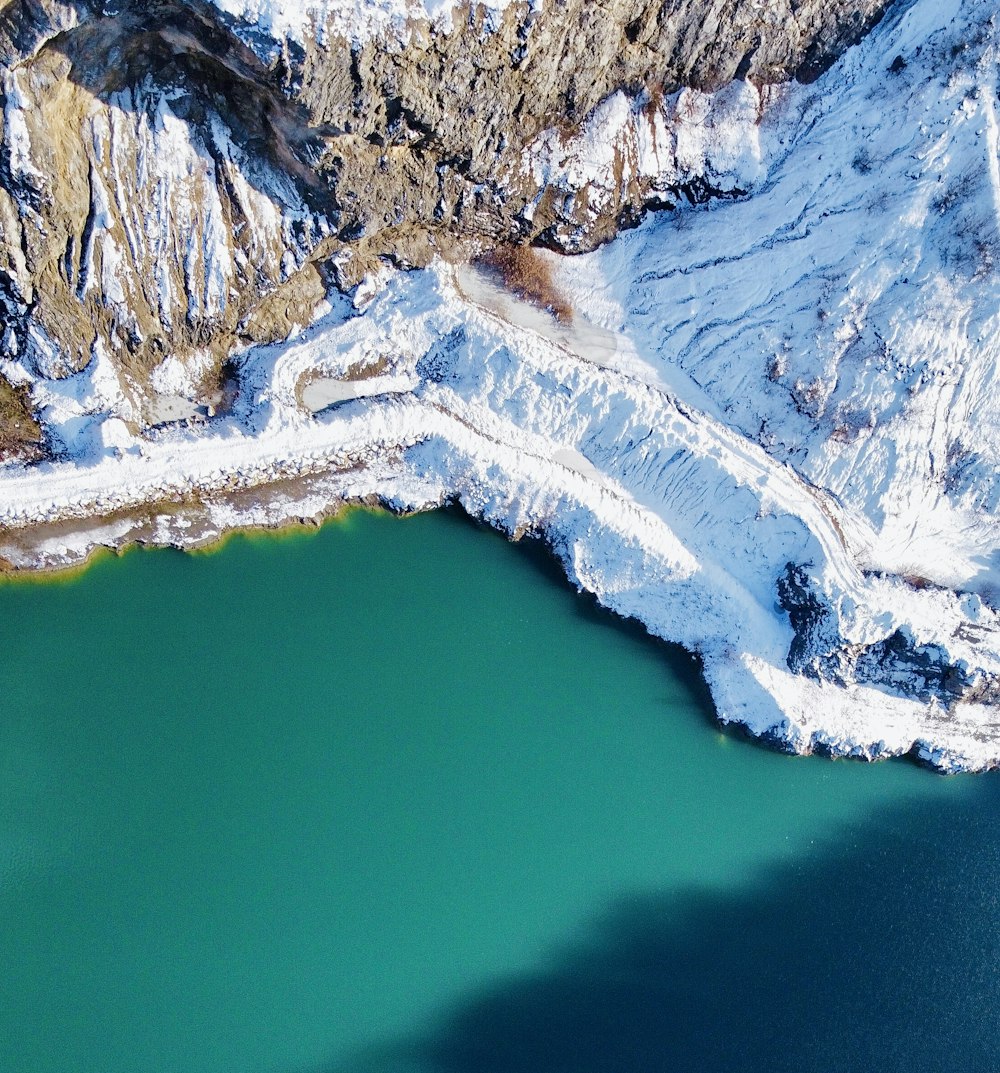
20, 433
525, 272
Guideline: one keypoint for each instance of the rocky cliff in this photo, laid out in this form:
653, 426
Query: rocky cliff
174, 182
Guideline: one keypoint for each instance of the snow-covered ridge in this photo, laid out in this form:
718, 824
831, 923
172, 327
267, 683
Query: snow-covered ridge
770, 432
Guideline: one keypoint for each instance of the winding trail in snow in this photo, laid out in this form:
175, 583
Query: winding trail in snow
775, 483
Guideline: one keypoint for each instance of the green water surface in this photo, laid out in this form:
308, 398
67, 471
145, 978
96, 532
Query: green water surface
388, 797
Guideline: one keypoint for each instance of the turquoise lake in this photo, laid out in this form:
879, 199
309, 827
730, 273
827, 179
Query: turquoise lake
390, 798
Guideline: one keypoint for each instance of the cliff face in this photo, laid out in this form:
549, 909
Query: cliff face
434, 133
168, 191
152, 195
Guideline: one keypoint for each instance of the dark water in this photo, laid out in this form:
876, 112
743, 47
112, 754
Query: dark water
388, 798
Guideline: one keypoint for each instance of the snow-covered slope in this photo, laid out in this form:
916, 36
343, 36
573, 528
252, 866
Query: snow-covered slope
769, 431
846, 316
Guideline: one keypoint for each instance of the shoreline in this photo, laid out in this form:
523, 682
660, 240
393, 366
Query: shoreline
537, 544
143, 523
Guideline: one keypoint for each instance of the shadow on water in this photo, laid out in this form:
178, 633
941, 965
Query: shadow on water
879, 952
542, 558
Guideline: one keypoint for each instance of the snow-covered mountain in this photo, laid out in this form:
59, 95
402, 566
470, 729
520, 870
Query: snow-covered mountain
763, 423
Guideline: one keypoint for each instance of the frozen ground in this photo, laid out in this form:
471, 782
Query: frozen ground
770, 432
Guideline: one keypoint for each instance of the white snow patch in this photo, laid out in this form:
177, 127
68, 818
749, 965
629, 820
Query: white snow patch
176, 377
16, 139
296, 20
